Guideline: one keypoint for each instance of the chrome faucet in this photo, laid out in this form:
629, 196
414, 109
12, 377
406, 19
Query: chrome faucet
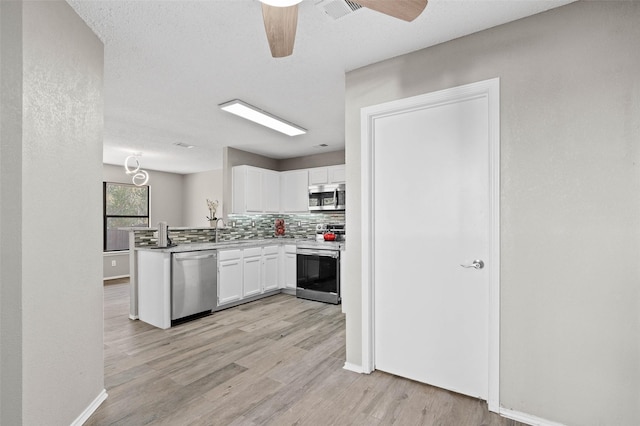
216, 228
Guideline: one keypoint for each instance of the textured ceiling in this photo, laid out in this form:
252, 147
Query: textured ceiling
168, 64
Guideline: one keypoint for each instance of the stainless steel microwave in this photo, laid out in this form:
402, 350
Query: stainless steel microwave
327, 197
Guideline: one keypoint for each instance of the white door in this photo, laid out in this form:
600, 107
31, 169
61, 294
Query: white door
229, 281
290, 267
294, 191
253, 190
270, 272
252, 273
271, 191
431, 215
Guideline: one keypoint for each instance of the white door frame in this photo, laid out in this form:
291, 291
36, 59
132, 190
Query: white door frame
489, 89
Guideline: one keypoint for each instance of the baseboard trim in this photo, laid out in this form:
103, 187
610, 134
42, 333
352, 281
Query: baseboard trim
133, 317
90, 409
353, 367
116, 277
527, 418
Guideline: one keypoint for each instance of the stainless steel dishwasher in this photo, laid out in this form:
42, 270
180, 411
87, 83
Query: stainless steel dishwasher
194, 278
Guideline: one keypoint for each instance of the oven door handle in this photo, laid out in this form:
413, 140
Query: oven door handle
324, 253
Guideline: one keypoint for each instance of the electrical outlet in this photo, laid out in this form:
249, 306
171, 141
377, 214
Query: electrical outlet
113, 263
253, 223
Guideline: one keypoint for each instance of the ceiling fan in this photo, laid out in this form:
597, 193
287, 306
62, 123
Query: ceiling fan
281, 19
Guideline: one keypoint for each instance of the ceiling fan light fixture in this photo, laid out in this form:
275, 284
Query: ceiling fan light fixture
249, 112
281, 3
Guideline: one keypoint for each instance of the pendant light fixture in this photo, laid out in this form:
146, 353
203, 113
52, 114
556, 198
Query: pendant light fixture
139, 177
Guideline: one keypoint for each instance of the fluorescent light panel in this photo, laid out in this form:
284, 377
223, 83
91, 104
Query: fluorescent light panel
281, 3
259, 116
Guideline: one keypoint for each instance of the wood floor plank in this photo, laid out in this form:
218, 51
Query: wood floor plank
275, 361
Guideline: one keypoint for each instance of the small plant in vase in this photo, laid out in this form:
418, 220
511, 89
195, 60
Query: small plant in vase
213, 206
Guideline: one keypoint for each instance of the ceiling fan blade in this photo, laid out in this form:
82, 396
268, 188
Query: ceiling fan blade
407, 10
280, 24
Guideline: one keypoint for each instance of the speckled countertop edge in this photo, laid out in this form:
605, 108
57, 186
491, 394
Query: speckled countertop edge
235, 244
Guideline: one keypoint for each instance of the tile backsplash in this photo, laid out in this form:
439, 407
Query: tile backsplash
246, 227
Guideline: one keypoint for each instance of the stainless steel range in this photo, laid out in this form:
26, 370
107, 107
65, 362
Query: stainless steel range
318, 272
318, 266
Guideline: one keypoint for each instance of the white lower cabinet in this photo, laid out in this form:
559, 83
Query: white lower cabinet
290, 266
270, 261
252, 271
230, 278
249, 272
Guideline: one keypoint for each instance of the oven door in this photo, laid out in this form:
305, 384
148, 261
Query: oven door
318, 275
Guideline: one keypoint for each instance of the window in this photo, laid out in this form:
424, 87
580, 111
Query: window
124, 206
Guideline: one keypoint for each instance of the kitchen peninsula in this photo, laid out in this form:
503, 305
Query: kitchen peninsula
242, 266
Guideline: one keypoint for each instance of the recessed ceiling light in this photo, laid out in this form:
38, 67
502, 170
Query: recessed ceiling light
259, 116
183, 145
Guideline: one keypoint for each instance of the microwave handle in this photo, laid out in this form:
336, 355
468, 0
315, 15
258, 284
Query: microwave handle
335, 198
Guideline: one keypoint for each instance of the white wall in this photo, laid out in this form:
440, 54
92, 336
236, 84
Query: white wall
570, 226
198, 187
55, 212
165, 193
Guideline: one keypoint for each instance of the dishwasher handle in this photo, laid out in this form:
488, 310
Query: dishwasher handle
183, 258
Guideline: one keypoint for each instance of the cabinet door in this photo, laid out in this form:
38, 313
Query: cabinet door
229, 281
270, 272
294, 191
290, 266
318, 176
337, 174
253, 190
252, 272
270, 191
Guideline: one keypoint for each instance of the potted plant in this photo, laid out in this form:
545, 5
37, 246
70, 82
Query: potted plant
213, 206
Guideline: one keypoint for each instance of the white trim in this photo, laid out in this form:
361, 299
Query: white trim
353, 367
115, 277
527, 418
493, 99
491, 90
115, 253
84, 416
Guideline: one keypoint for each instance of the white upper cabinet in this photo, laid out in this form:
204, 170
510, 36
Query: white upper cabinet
318, 176
327, 175
270, 191
294, 187
337, 174
255, 190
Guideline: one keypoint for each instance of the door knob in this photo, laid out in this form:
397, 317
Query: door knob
476, 264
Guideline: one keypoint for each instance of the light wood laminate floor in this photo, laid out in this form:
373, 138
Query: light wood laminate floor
276, 361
